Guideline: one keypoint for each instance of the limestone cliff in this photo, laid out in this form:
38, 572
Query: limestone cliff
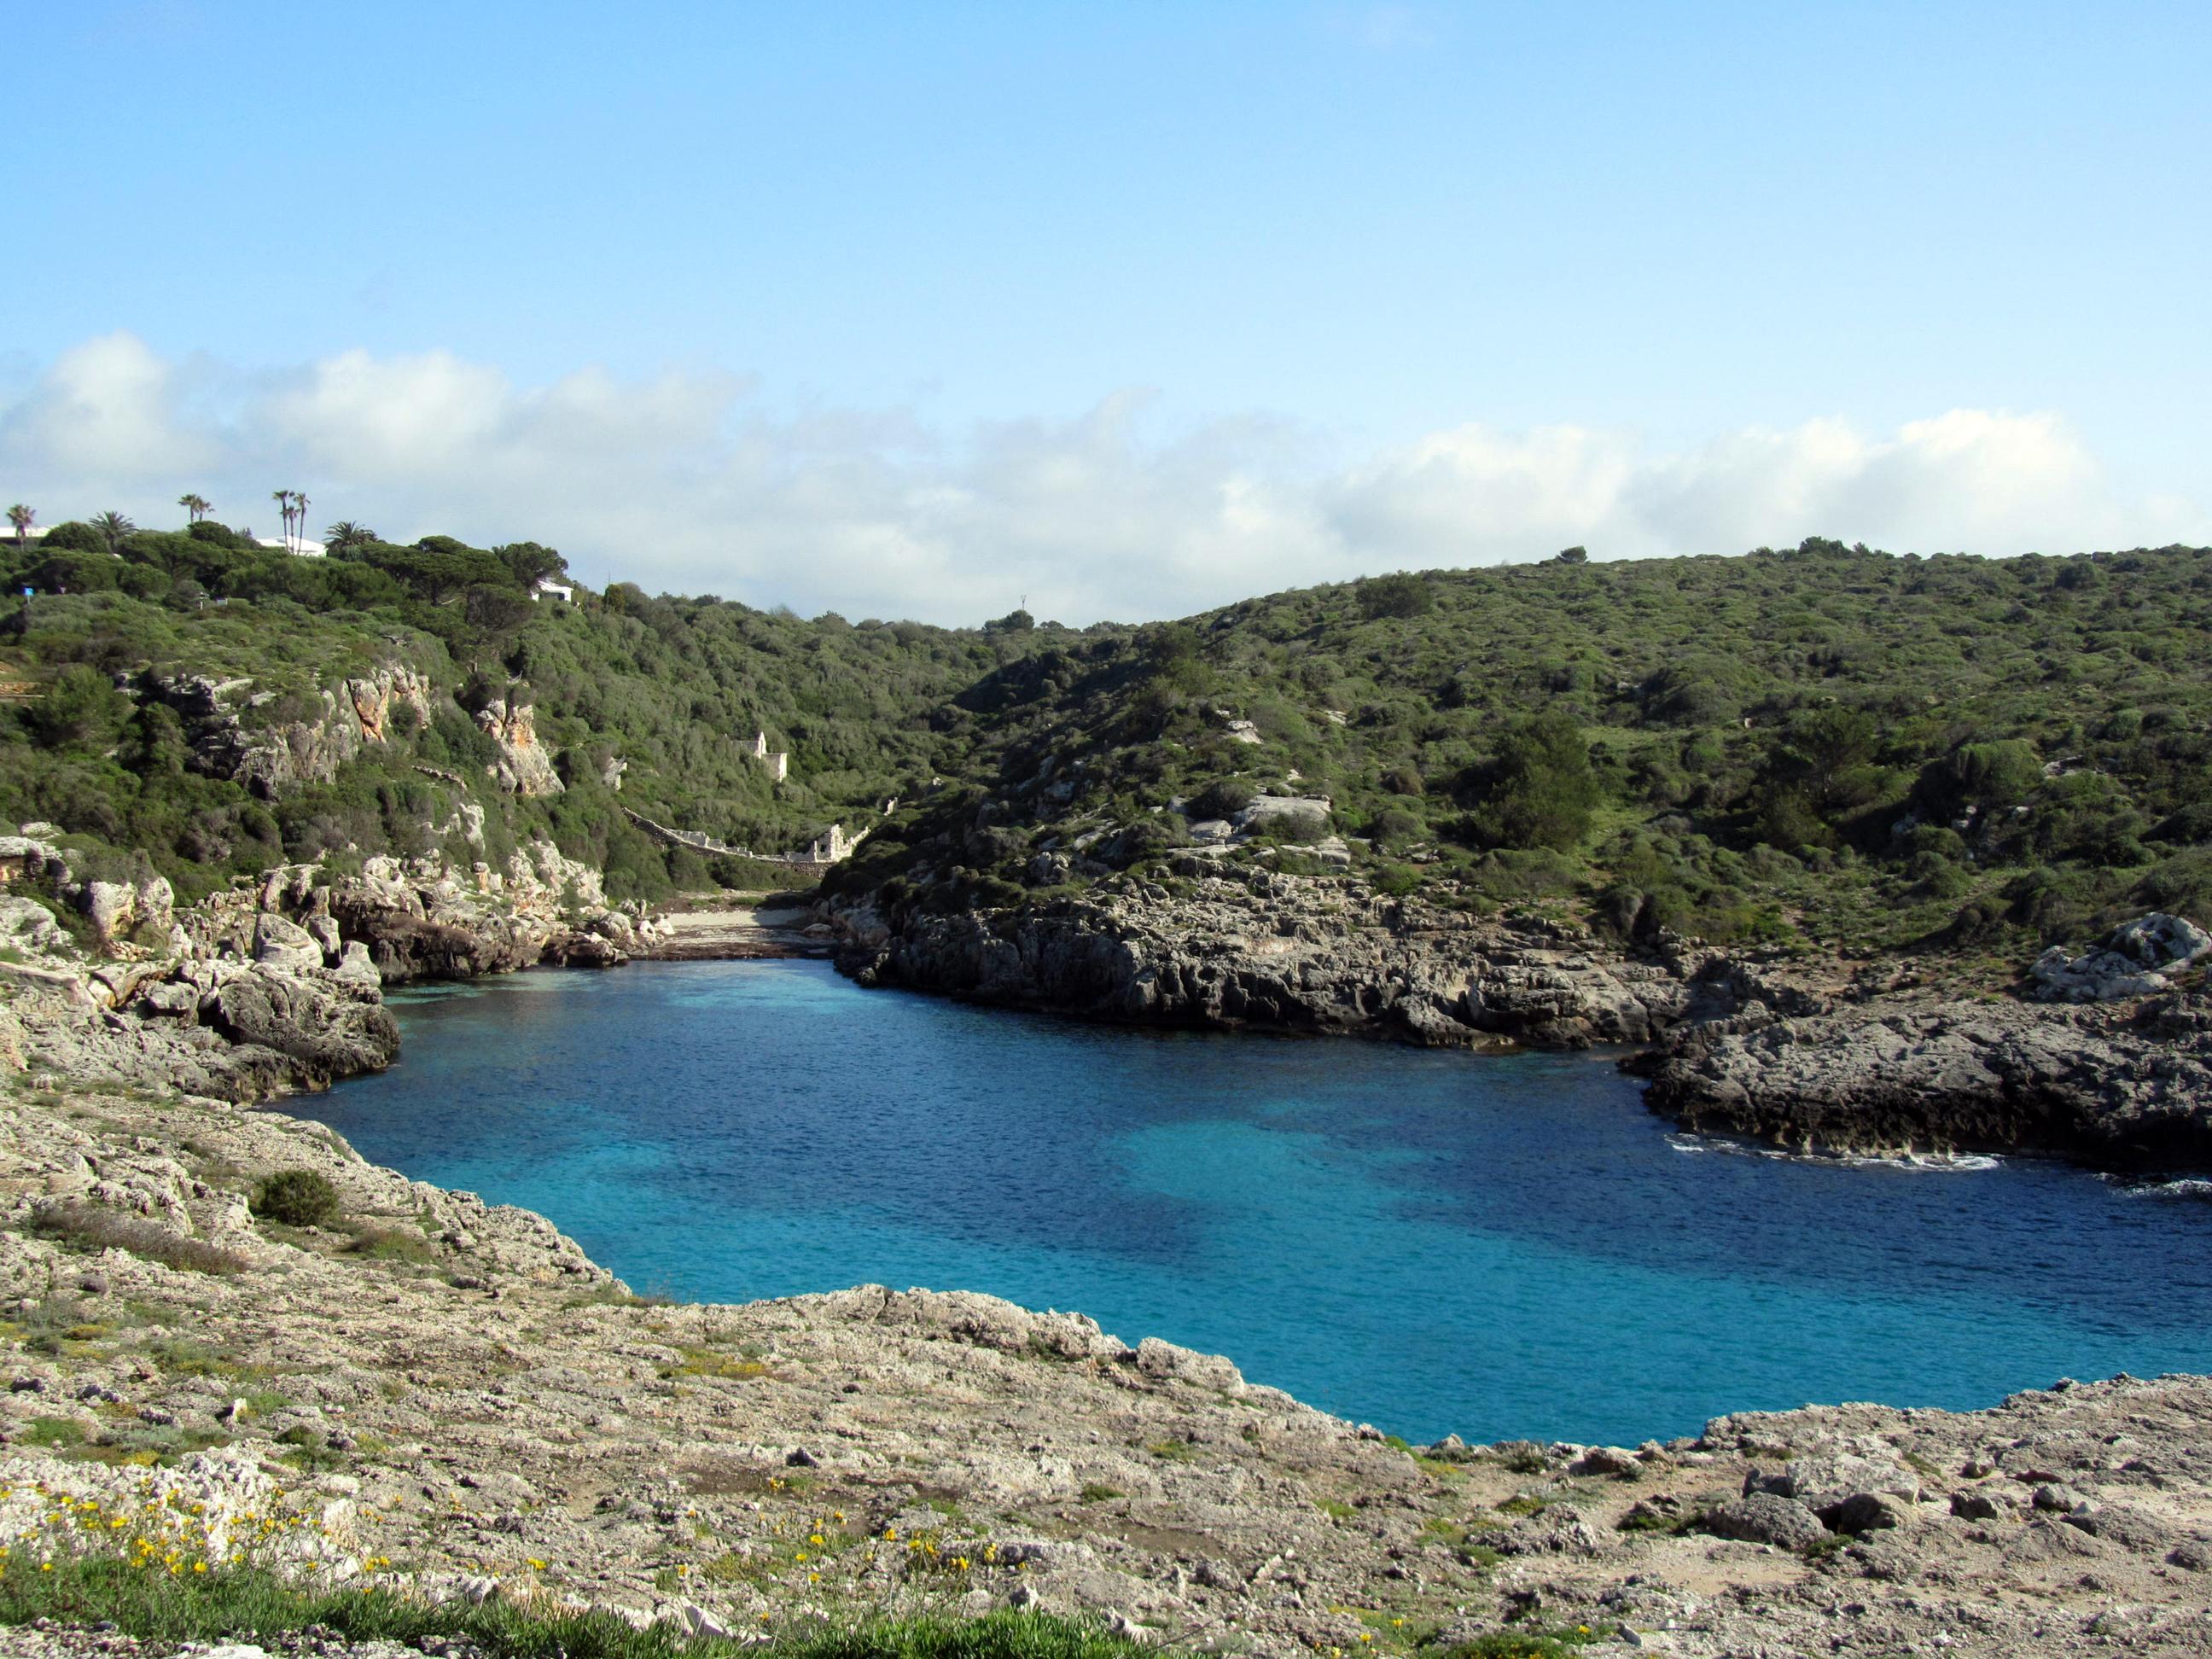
524, 768
274, 758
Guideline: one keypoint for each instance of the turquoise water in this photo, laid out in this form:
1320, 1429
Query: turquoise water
1427, 1241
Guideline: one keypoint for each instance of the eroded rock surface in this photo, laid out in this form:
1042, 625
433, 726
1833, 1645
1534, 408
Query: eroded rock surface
1241, 947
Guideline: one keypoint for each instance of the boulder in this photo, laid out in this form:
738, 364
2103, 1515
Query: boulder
356, 967
330, 1032
1764, 1517
112, 906
1824, 1480
281, 944
1868, 1511
29, 926
2137, 959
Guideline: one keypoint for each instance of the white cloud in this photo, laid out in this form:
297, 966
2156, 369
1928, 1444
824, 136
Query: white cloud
684, 481
108, 408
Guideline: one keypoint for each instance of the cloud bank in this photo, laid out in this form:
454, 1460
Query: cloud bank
687, 482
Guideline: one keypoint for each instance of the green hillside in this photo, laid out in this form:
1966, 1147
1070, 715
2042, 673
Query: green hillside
1827, 745
674, 688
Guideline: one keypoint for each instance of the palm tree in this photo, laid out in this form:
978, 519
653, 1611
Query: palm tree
299, 518
114, 529
23, 517
197, 505
283, 500
340, 540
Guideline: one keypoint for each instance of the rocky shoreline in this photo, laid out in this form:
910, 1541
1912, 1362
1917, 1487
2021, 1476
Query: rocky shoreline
460, 1404
455, 1403
2115, 1070
259, 991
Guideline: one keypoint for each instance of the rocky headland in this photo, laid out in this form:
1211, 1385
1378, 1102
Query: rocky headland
277, 985
2107, 1056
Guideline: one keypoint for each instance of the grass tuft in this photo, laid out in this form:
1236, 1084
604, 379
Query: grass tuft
254, 1604
92, 1228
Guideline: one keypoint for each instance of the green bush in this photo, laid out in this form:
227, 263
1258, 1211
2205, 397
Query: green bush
296, 1198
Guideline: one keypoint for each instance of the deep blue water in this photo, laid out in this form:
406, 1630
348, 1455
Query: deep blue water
1429, 1241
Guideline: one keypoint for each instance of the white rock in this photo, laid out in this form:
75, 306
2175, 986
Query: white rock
283, 944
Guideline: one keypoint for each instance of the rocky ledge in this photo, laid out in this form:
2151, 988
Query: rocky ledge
1249, 948
2125, 1085
448, 1398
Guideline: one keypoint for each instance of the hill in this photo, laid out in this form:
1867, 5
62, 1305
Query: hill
1827, 747
1824, 748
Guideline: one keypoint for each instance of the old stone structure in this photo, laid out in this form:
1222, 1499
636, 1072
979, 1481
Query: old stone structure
778, 761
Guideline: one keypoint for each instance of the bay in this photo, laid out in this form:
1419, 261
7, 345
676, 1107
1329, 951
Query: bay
1430, 1242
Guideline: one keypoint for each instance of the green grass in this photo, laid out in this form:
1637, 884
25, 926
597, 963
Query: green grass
1172, 1451
256, 1605
1526, 1645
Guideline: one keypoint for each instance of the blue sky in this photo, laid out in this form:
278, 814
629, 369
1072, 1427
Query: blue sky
1316, 279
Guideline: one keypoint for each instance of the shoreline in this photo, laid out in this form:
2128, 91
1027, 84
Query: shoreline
491, 1363
459, 1381
1790, 1052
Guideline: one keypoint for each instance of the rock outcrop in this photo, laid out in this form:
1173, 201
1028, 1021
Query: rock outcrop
2141, 959
1242, 947
272, 758
2126, 1086
524, 768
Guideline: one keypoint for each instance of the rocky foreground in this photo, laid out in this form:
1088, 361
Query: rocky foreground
448, 1397
2107, 1057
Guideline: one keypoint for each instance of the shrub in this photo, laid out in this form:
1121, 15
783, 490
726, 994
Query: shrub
92, 1227
1400, 595
1538, 790
297, 1198
1223, 799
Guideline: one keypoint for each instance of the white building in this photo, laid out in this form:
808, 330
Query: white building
546, 587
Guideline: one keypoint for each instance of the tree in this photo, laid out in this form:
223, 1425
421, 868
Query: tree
530, 563
113, 529
196, 506
1400, 595
345, 539
1538, 789
72, 536
1577, 555
299, 520
283, 500
23, 517
81, 703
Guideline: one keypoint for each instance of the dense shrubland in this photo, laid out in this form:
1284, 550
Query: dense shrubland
1827, 743
672, 687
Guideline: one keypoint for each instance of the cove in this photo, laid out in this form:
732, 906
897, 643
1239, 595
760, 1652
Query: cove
1429, 1241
